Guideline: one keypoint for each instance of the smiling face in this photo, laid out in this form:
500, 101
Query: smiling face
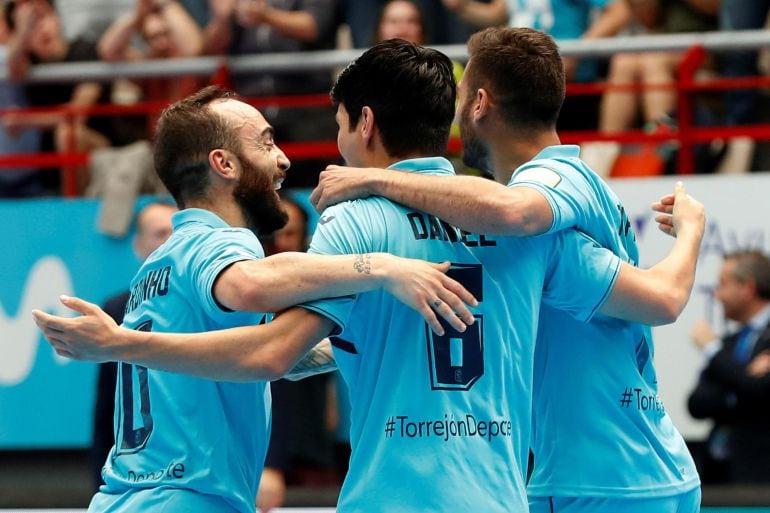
263, 166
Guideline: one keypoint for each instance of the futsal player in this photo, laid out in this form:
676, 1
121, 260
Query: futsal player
602, 440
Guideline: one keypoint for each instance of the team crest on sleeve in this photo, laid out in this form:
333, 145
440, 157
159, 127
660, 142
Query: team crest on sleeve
541, 175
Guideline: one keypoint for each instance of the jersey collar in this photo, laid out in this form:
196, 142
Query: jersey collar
558, 151
425, 165
198, 215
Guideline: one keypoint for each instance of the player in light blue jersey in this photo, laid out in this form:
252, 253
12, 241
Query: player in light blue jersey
186, 444
602, 439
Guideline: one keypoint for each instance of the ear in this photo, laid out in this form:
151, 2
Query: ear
482, 105
368, 125
224, 163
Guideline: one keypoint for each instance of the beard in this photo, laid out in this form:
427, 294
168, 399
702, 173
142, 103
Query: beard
261, 206
475, 153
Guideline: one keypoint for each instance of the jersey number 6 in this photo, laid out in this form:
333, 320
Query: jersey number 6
456, 359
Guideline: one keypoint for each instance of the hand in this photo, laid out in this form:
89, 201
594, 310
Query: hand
142, 10
760, 365
26, 17
92, 337
455, 5
339, 183
222, 9
426, 288
680, 211
272, 490
702, 334
250, 13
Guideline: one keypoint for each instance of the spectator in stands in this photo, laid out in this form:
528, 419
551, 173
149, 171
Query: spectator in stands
301, 451
269, 26
620, 110
153, 227
37, 38
401, 19
88, 19
740, 105
734, 387
562, 19
168, 31
443, 25
16, 182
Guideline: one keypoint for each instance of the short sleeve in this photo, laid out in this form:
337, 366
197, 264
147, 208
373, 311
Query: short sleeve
343, 229
215, 252
581, 275
565, 189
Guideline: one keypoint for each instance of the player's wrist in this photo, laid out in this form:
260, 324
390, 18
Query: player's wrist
382, 268
127, 344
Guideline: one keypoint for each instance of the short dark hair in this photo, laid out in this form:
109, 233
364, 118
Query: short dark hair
410, 89
752, 265
186, 133
522, 70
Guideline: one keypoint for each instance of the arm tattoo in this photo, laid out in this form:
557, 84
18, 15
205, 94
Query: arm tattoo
363, 263
318, 360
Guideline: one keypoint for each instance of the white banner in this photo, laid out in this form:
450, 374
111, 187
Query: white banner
738, 217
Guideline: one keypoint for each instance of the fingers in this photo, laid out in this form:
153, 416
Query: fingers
457, 297
430, 317
79, 305
315, 196
442, 266
49, 322
448, 313
679, 190
664, 208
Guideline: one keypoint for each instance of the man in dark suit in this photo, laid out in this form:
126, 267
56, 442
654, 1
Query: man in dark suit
153, 227
734, 387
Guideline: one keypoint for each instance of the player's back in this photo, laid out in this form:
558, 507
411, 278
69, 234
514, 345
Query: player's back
438, 422
595, 389
187, 443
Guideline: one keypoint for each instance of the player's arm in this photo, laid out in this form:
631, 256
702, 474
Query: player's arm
473, 204
277, 282
264, 352
319, 360
658, 295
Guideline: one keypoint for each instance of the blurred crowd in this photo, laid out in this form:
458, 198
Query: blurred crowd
60, 31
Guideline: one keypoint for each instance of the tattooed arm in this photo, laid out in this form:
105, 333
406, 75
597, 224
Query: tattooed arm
277, 282
318, 360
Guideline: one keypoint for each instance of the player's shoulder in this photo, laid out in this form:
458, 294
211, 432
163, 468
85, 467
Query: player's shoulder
356, 210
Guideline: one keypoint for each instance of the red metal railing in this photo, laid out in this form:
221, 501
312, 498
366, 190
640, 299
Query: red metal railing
685, 134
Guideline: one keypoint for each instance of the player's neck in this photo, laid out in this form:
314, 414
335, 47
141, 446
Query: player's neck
509, 149
229, 211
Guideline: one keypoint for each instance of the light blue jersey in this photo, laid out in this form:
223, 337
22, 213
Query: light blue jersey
443, 423
599, 429
184, 443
